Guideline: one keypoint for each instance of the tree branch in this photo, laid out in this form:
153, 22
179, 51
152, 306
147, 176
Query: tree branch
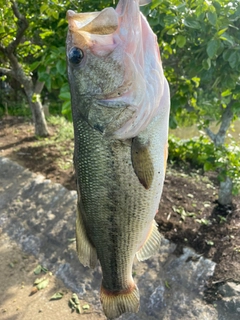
40, 85
225, 123
226, 119
211, 135
2, 49
7, 72
22, 27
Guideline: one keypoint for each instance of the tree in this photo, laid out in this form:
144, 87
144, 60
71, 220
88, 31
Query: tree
32, 50
10, 43
201, 55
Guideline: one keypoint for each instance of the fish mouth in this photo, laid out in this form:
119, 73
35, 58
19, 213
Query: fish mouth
100, 23
94, 31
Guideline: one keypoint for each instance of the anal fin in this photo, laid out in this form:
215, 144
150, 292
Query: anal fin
86, 251
151, 245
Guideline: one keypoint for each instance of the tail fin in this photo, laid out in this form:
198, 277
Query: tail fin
116, 303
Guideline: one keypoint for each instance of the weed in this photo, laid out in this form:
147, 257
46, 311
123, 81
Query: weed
183, 214
204, 221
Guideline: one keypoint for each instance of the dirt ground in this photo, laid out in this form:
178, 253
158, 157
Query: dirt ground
189, 215
18, 298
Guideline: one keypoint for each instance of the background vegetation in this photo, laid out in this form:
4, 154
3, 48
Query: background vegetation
200, 48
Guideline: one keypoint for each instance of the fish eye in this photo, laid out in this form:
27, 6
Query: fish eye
75, 55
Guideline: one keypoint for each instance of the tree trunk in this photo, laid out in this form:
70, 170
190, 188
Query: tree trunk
225, 188
35, 103
32, 93
39, 120
219, 137
225, 192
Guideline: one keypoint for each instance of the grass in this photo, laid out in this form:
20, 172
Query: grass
64, 128
62, 139
63, 131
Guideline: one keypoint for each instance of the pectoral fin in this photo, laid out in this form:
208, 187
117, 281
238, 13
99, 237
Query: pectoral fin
142, 162
86, 251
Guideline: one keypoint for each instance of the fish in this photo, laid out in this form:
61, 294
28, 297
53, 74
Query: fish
120, 109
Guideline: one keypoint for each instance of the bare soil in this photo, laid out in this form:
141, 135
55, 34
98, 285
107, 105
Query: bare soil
189, 214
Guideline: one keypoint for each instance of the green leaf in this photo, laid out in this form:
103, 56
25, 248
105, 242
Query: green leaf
2, 29
66, 108
181, 41
57, 296
155, 3
78, 309
61, 22
233, 59
75, 298
209, 242
226, 37
61, 66
220, 32
207, 166
48, 82
65, 96
226, 54
42, 284
34, 65
212, 17
170, 20
46, 34
212, 47
191, 23
38, 269
43, 7
38, 280
74, 303
55, 14
85, 307
181, 7
206, 64
45, 270
35, 97
217, 6
226, 93
236, 106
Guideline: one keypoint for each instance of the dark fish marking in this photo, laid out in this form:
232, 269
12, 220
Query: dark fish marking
98, 127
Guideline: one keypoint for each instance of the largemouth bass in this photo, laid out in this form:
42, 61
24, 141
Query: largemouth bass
120, 108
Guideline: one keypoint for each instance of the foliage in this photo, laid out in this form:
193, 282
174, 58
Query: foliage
42, 53
18, 109
201, 54
200, 152
199, 43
